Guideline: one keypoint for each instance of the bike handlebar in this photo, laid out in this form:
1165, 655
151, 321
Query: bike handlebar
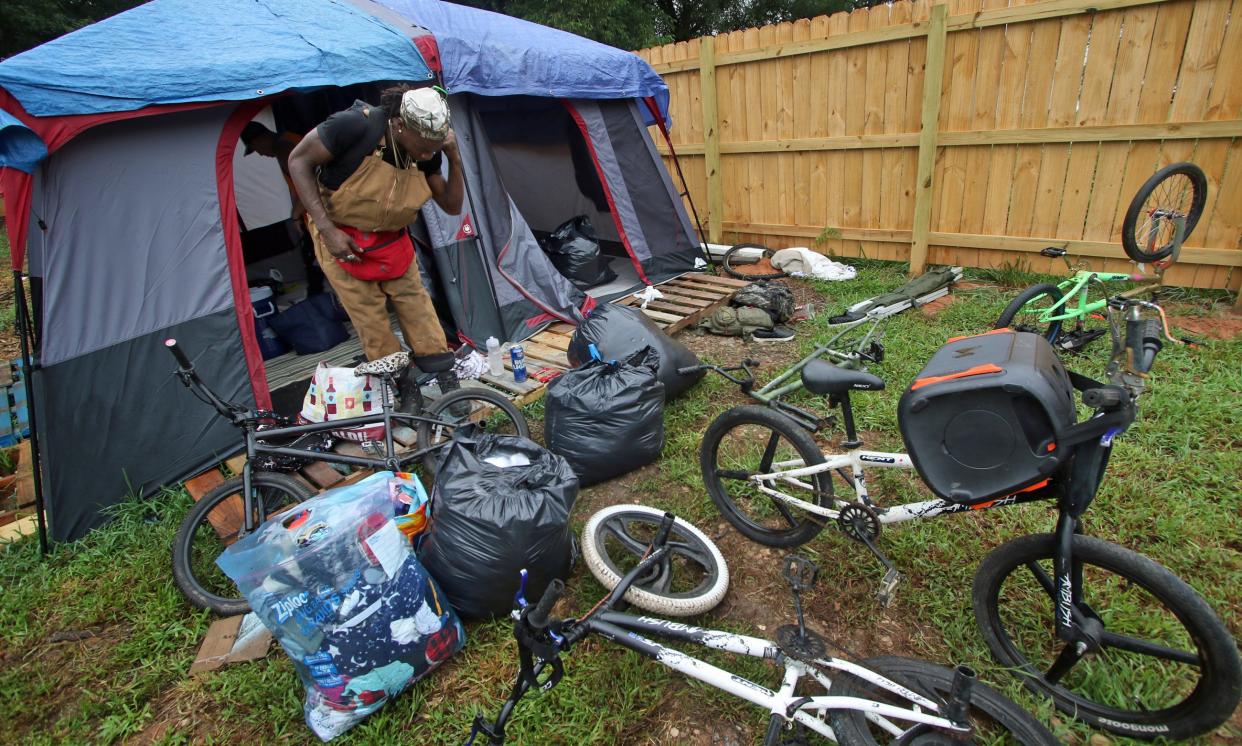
1143, 342
179, 354
538, 617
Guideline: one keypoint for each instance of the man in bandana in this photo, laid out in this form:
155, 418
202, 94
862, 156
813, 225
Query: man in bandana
362, 175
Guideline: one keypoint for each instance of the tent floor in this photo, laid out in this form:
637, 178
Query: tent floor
686, 300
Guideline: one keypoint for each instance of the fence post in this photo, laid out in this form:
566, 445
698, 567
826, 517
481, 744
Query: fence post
933, 75
711, 138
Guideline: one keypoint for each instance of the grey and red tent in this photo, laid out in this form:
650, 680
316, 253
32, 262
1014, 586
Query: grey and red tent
117, 147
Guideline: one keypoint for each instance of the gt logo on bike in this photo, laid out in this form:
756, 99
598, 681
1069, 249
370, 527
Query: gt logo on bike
878, 459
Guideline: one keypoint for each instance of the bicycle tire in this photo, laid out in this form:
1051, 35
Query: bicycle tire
439, 433
733, 257
1217, 690
196, 576
1006, 319
934, 682
801, 527
1198, 197
686, 541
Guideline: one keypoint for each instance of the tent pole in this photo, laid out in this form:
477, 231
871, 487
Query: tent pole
24, 332
685, 188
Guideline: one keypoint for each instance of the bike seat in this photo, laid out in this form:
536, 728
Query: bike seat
386, 366
823, 378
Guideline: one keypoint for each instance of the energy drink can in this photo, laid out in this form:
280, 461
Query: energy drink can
518, 357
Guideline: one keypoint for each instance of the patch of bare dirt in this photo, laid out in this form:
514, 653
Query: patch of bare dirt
933, 309
760, 268
59, 662
1209, 327
682, 719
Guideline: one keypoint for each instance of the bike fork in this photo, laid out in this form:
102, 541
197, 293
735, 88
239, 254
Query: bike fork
1081, 632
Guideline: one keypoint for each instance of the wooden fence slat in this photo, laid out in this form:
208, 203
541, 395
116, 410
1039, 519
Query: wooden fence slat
893, 178
933, 77
876, 61
711, 132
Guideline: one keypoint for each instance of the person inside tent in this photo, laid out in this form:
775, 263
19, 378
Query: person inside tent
363, 174
257, 138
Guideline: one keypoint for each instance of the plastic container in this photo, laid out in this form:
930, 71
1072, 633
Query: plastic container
495, 357
262, 301
264, 304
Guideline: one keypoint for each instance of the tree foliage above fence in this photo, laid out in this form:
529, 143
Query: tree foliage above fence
632, 24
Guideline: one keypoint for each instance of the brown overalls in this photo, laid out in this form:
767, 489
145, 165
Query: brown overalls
380, 197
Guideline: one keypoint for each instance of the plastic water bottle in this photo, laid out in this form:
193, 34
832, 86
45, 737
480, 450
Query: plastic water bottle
495, 358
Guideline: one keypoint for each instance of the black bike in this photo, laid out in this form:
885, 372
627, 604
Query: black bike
881, 700
276, 445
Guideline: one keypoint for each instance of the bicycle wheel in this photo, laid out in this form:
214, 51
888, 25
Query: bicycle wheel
1023, 312
750, 440
692, 579
214, 523
468, 406
744, 254
1147, 231
993, 717
1167, 667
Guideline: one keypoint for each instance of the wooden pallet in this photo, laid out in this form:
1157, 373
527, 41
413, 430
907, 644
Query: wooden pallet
687, 300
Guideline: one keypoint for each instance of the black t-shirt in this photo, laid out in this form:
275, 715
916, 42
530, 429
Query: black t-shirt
353, 134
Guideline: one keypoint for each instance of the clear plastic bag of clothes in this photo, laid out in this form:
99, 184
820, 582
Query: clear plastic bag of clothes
336, 581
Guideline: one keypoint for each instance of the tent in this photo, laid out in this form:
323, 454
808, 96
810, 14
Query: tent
552, 126
122, 200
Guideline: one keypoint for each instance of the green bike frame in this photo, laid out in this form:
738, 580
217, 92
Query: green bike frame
1076, 288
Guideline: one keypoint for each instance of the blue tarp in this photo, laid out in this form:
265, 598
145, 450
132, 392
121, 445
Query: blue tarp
181, 51
19, 147
496, 55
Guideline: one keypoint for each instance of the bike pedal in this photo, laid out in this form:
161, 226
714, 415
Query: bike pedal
888, 587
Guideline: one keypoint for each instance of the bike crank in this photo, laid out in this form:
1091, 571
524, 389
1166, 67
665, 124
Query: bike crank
859, 522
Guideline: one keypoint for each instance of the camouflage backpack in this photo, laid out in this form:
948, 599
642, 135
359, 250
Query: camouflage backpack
737, 322
774, 297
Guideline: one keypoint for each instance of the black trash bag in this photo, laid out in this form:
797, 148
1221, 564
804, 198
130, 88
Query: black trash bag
488, 522
607, 418
620, 331
575, 252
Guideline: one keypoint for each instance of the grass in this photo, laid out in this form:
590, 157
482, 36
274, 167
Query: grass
1172, 493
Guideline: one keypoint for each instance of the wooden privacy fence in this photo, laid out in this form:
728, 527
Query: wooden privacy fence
973, 133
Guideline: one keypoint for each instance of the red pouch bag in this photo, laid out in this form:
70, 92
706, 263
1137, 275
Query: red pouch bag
385, 255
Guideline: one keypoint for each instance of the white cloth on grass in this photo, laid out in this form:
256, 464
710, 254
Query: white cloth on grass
800, 261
